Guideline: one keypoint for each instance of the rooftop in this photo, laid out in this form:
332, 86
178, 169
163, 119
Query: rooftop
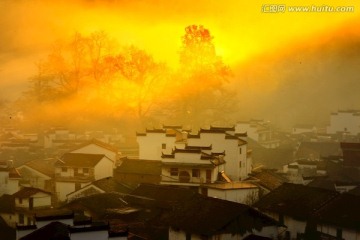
79, 160
295, 200
27, 192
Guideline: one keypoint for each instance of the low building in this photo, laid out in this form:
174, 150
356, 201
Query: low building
76, 170
294, 205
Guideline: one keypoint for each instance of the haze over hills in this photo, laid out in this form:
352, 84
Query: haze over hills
287, 68
304, 82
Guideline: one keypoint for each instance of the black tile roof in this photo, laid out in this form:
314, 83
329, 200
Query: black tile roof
343, 211
53, 230
295, 200
197, 214
79, 160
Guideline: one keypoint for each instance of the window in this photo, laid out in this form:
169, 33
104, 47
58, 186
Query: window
85, 170
196, 172
76, 171
174, 171
21, 218
240, 150
64, 169
20, 200
163, 146
77, 186
239, 164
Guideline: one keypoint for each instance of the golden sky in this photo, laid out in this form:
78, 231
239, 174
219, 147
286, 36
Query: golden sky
241, 29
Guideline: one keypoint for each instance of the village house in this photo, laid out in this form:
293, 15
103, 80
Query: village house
190, 215
38, 173
105, 185
294, 205
63, 225
135, 171
344, 122
304, 128
340, 218
95, 146
211, 156
267, 180
76, 170
260, 131
9, 178
220, 143
20, 207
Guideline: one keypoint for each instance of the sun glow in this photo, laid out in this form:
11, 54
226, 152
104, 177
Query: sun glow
247, 39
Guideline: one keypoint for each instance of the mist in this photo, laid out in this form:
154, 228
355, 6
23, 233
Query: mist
286, 68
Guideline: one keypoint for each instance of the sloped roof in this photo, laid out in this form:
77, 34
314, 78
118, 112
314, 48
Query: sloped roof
98, 143
79, 160
14, 173
209, 216
163, 193
44, 166
318, 149
256, 237
27, 192
138, 166
343, 211
197, 214
109, 184
322, 182
295, 200
53, 214
99, 204
268, 179
53, 231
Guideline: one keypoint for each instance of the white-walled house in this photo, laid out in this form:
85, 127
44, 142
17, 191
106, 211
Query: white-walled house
76, 170
95, 146
39, 173
294, 205
303, 128
160, 144
340, 218
31, 198
19, 208
191, 167
155, 142
238, 163
58, 136
240, 192
258, 130
345, 121
9, 178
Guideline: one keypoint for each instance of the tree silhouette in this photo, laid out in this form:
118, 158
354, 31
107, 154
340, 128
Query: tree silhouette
203, 76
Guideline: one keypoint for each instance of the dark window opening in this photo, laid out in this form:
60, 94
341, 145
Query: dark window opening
174, 171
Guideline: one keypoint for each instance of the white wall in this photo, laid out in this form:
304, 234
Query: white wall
64, 188
233, 154
35, 178
104, 169
8, 185
244, 195
98, 235
331, 230
342, 120
96, 149
150, 146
